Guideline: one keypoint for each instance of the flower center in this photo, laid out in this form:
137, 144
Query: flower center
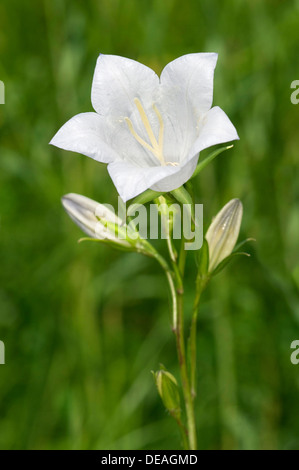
156, 147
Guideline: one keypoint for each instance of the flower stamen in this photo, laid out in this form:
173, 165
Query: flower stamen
146, 124
157, 146
137, 137
161, 130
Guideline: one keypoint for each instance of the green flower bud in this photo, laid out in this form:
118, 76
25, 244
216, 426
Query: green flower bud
223, 232
168, 390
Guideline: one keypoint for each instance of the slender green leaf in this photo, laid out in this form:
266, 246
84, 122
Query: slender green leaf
202, 164
226, 261
243, 242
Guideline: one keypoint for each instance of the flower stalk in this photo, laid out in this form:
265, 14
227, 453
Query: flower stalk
178, 270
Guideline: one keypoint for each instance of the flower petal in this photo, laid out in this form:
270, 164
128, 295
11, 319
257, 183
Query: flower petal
86, 133
130, 180
195, 74
117, 81
216, 129
82, 211
180, 123
176, 179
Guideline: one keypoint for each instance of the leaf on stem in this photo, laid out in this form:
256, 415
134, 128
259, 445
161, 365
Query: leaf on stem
202, 164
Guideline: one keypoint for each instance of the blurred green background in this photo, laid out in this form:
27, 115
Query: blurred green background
84, 325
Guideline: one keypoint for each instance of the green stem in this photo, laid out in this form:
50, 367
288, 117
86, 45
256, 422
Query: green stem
181, 352
176, 289
179, 332
200, 285
182, 257
171, 249
170, 278
184, 433
189, 440
193, 334
175, 281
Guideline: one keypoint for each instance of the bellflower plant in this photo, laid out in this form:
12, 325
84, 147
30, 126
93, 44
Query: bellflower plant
150, 131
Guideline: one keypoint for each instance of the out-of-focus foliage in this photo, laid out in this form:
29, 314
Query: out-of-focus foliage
84, 325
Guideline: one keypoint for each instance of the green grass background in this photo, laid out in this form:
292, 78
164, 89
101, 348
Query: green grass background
84, 325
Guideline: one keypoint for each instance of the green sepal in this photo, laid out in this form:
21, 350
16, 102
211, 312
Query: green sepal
169, 392
202, 164
243, 242
226, 261
123, 230
147, 196
143, 246
118, 246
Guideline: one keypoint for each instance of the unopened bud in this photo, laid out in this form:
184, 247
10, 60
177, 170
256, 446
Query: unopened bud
168, 390
223, 232
92, 217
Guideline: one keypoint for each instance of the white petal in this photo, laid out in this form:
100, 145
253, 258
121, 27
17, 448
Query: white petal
86, 133
216, 129
130, 180
194, 73
178, 178
180, 123
82, 211
117, 81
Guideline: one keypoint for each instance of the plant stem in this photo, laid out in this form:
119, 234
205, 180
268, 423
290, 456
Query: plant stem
176, 288
169, 275
184, 433
193, 331
200, 285
182, 257
175, 281
179, 268
179, 332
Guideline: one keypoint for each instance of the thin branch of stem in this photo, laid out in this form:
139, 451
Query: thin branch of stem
170, 278
184, 433
181, 352
171, 250
179, 332
182, 257
200, 285
193, 334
